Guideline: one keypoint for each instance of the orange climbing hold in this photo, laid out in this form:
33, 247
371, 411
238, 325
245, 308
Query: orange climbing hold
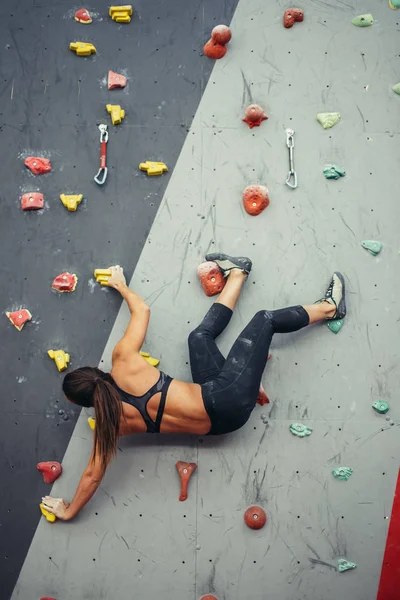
19, 317
38, 165
211, 278
254, 116
115, 80
50, 471
82, 16
255, 199
185, 471
32, 201
208, 597
255, 517
216, 46
292, 16
65, 282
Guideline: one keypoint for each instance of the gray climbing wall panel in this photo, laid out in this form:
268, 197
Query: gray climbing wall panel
135, 539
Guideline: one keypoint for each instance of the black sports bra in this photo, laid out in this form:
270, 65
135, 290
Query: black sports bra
140, 402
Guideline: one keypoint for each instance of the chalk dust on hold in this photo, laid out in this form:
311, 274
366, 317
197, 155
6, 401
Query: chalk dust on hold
21, 379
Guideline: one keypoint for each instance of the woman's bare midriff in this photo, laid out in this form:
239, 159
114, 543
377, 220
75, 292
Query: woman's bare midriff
184, 408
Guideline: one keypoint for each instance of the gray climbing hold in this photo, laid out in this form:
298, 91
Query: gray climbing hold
381, 407
328, 120
396, 88
300, 430
335, 326
342, 473
363, 20
345, 565
65, 417
61, 411
332, 171
372, 246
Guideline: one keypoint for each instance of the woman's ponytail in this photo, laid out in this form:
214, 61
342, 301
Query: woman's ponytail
108, 411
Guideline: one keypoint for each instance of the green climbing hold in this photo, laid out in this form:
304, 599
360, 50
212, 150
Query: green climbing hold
372, 246
381, 406
396, 88
345, 565
363, 20
300, 430
394, 4
333, 171
335, 325
342, 473
328, 120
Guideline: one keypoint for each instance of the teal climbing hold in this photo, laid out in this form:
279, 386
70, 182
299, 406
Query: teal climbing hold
300, 430
342, 473
372, 246
345, 565
381, 406
394, 4
396, 88
363, 20
335, 326
328, 120
332, 171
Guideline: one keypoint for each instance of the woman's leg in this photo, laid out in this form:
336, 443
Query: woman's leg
206, 360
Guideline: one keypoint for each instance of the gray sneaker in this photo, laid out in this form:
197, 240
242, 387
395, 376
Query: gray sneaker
335, 295
226, 263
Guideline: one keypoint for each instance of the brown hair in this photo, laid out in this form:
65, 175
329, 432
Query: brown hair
89, 386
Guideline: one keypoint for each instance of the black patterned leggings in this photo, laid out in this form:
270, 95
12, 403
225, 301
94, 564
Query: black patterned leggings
230, 386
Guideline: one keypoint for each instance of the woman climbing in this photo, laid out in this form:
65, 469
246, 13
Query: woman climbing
136, 398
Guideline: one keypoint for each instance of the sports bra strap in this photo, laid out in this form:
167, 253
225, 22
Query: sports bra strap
161, 406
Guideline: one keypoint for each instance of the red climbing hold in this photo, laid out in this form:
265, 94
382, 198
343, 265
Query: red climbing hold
255, 517
208, 597
19, 317
47, 598
38, 165
262, 397
32, 201
215, 47
82, 16
50, 471
211, 278
115, 80
255, 199
185, 471
254, 116
65, 282
292, 16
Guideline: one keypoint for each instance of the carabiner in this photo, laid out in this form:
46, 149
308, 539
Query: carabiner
101, 176
292, 175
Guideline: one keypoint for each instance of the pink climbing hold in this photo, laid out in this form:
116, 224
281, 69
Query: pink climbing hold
211, 278
254, 116
50, 471
32, 201
215, 48
255, 199
115, 80
38, 165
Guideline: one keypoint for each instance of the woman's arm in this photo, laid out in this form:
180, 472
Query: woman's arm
90, 481
135, 333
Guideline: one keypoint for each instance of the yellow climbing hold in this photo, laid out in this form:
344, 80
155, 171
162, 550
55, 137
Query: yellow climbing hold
60, 357
153, 168
49, 516
82, 48
116, 112
71, 201
102, 276
121, 14
154, 362
92, 423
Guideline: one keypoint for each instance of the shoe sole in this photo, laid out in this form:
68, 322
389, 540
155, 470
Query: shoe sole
244, 264
341, 308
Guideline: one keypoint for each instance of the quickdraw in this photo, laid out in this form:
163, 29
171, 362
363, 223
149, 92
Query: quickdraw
291, 179
101, 176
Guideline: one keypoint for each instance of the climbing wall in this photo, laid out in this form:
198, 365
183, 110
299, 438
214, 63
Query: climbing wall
134, 539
